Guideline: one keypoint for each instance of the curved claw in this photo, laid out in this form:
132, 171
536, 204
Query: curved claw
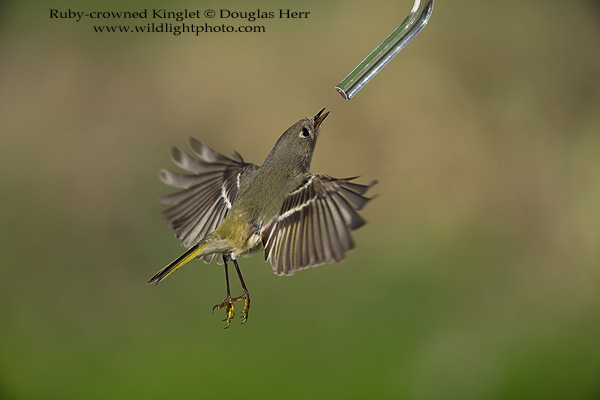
246, 298
229, 309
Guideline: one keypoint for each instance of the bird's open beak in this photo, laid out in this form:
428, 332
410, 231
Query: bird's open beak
319, 118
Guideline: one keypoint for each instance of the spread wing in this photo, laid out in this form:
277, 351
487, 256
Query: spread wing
314, 224
208, 190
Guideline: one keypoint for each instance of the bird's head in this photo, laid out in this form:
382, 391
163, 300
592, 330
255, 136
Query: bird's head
296, 145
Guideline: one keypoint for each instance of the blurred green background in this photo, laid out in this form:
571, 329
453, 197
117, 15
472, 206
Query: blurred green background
475, 278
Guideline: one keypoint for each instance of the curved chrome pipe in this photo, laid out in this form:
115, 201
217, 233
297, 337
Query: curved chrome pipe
383, 54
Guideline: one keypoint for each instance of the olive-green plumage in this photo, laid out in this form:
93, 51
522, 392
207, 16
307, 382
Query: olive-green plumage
231, 208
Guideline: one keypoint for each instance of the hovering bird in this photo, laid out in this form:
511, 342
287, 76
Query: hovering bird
230, 208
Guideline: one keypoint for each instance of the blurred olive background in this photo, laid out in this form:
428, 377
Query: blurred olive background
475, 278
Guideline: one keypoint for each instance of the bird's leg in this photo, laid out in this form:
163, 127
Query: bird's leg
228, 302
245, 296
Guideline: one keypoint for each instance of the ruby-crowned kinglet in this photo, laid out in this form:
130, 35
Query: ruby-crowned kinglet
230, 208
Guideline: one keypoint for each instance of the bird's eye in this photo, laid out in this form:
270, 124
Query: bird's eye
305, 133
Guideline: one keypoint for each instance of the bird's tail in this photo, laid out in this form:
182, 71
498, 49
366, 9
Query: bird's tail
186, 257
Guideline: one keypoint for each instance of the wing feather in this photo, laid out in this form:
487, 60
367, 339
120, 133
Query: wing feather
209, 189
314, 224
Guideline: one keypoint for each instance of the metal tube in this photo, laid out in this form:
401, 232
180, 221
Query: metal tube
383, 54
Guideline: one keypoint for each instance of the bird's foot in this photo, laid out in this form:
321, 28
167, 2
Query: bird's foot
246, 298
229, 309
228, 304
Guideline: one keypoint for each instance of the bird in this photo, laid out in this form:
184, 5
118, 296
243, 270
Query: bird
228, 208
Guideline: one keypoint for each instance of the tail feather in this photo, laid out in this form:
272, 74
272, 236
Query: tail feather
186, 257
